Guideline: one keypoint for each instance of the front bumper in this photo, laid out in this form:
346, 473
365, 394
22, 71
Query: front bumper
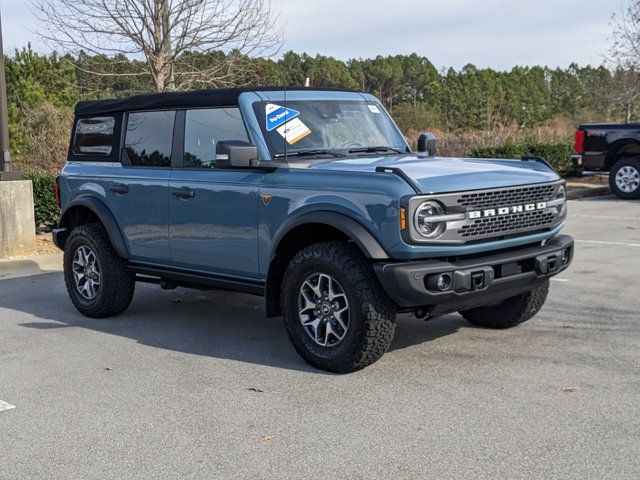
591, 161
475, 280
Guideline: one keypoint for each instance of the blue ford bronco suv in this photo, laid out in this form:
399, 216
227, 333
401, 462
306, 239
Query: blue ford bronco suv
312, 199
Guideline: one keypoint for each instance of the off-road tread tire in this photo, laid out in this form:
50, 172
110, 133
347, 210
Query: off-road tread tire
375, 323
117, 282
630, 161
511, 312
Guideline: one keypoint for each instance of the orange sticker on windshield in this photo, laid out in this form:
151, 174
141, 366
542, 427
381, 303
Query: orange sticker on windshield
293, 131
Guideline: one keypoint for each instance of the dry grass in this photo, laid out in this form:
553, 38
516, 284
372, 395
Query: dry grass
460, 144
48, 129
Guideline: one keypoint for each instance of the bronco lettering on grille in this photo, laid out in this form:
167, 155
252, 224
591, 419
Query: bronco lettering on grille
494, 212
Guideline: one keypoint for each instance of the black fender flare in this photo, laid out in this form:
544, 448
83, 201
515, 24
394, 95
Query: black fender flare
616, 147
104, 215
353, 229
350, 227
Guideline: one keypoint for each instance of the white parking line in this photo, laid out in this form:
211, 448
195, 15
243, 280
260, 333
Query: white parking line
560, 279
5, 406
606, 217
600, 242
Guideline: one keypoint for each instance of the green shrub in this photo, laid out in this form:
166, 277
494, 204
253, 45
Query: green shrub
47, 211
557, 154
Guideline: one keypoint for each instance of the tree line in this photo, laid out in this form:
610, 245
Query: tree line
42, 89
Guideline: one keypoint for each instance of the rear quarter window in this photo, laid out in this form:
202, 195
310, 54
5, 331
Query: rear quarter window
94, 136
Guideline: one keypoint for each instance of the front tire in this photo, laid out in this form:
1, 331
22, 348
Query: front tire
336, 314
98, 281
624, 178
511, 312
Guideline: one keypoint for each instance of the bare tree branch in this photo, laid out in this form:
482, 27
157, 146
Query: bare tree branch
178, 39
623, 60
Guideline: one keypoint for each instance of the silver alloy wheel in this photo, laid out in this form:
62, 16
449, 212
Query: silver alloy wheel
86, 272
323, 309
628, 179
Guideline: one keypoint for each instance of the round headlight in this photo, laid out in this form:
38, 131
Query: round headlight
422, 223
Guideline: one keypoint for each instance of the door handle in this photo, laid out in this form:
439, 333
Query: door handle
119, 188
184, 192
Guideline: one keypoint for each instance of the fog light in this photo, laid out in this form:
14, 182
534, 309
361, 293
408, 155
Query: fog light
565, 256
441, 282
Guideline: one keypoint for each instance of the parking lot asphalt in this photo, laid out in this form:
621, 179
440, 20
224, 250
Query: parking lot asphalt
190, 384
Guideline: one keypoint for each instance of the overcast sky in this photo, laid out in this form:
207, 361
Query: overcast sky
488, 33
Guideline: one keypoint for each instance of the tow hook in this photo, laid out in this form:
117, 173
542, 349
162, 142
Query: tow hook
552, 262
472, 280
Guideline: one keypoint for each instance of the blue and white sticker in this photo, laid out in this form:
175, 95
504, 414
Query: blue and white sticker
277, 115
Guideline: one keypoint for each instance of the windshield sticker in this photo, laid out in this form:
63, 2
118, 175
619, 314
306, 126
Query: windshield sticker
294, 131
373, 108
277, 115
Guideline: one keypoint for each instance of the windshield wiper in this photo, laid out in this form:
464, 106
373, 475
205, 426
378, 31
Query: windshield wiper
380, 148
310, 153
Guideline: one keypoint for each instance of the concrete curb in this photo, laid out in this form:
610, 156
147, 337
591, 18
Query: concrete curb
25, 267
579, 191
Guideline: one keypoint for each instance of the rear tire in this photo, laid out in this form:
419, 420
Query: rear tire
624, 178
98, 281
330, 286
511, 312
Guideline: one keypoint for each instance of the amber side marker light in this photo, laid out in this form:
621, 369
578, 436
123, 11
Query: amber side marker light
403, 219
56, 190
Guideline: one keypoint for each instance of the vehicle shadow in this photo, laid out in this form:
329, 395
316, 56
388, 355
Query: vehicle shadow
217, 324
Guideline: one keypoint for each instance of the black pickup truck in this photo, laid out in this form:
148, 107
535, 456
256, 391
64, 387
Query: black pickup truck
610, 148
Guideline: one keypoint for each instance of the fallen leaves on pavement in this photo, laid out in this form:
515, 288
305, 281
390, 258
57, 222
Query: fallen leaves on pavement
268, 438
570, 389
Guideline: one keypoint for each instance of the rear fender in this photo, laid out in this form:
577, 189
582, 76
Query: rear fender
70, 219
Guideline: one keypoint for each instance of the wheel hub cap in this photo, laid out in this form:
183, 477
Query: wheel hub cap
323, 309
628, 179
86, 272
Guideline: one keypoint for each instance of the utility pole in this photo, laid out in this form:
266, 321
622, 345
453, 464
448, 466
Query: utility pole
17, 219
5, 154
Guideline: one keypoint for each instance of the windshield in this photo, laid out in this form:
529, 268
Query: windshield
327, 128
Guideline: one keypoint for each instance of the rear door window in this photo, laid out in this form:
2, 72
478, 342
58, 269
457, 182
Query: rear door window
206, 127
149, 138
94, 136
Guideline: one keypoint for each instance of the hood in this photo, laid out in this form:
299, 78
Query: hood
440, 175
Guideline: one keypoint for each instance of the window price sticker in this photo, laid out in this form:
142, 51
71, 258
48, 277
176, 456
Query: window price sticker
293, 131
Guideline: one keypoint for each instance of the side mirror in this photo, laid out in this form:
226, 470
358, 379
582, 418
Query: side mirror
236, 154
427, 144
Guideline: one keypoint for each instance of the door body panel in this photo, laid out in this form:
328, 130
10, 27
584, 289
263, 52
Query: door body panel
142, 211
215, 230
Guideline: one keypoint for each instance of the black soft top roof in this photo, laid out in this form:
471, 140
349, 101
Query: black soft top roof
221, 97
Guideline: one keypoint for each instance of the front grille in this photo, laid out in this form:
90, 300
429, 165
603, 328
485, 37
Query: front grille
502, 198
507, 224
484, 215
510, 224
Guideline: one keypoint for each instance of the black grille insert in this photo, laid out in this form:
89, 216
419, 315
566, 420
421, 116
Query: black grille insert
507, 224
506, 197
